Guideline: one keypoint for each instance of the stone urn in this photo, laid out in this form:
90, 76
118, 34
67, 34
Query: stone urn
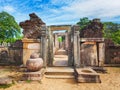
34, 63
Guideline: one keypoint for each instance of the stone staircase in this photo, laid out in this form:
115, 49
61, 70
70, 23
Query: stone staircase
61, 52
59, 73
60, 58
81, 75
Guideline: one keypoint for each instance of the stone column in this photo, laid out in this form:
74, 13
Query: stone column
44, 44
30, 46
70, 48
50, 48
101, 54
56, 42
66, 41
76, 46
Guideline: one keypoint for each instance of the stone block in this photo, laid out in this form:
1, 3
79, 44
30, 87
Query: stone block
5, 80
86, 75
35, 76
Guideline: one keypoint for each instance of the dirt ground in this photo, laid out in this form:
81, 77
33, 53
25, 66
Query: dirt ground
110, 81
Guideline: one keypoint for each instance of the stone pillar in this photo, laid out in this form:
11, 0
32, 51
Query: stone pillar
44, 44
66, 41
76, 46
44, 50
30, 46
101, 54
56, 42
41, 49
50, 48
70, 48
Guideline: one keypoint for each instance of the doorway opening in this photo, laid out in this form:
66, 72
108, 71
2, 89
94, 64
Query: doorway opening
60, 48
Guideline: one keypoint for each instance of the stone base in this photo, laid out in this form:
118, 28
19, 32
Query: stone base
5, 80
86, 75
35, 76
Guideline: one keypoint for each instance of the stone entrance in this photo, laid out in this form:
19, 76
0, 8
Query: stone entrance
58, 41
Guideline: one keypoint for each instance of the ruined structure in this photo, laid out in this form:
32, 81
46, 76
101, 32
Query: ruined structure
85, 48
92, 44
93, 30
32, 29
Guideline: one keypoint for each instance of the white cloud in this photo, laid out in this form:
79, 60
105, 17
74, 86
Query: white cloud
86, 8
8, 9
67, 11
100, 8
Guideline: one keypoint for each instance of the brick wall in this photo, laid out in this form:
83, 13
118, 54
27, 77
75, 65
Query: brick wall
112, 55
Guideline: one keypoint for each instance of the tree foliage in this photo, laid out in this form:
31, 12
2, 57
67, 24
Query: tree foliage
9, 29
83, 22
112, 31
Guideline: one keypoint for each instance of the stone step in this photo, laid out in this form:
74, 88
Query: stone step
61, 52
59, 72
60, 76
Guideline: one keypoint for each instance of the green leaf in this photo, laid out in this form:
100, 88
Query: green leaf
8, 27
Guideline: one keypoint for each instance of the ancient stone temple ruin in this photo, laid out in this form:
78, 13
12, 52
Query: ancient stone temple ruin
34, 31
32, 27
76, 52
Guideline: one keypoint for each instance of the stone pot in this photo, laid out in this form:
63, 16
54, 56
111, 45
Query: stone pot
34, 64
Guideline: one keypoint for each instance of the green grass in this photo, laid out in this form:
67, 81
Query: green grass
28, 81
6, 86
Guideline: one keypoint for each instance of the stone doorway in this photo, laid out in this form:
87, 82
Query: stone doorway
58, 43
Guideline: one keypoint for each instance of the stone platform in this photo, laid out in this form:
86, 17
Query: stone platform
35, 76
86, 75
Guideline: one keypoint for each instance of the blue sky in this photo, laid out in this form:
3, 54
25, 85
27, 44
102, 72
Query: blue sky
57, 12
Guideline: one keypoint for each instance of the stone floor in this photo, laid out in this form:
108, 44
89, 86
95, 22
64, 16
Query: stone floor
110, 81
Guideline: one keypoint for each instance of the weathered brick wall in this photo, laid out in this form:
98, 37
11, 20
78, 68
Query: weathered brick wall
4, 55
112, 52
112, 55
11, 55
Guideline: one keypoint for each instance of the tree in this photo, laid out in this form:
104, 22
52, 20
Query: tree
9, 29
112, 31
116, 37
83, 22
